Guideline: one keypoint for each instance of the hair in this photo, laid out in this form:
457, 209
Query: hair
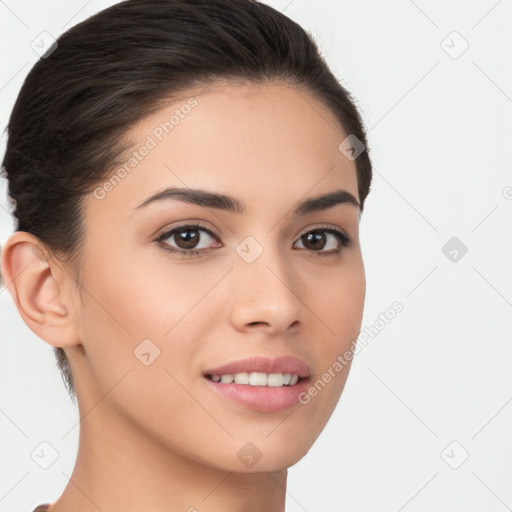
68, 126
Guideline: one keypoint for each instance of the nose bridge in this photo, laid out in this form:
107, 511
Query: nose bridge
265, 287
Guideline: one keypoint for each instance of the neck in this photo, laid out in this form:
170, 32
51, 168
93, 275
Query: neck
122, 469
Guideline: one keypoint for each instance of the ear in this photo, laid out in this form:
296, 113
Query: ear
40, 288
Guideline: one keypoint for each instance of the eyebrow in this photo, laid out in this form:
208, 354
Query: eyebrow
218, 201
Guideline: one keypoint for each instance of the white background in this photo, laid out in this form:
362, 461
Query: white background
440, 138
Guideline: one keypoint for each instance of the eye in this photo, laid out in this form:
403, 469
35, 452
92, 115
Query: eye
187, 239
318, 239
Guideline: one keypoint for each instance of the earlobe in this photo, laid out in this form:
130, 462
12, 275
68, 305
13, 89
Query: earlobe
36, 283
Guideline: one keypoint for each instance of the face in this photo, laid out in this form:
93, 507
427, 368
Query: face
174, 290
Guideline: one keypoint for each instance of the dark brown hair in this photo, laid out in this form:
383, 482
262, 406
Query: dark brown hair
66, 130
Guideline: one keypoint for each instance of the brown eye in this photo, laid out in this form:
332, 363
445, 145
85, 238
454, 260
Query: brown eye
320, 239
187, 239
314, 240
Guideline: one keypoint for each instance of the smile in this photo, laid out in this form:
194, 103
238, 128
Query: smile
261, 383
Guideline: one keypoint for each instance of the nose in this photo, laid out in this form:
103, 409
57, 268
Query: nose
265, 295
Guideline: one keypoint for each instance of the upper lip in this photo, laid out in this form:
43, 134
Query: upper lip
282, 364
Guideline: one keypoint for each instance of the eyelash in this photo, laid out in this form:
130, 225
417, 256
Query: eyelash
344, 240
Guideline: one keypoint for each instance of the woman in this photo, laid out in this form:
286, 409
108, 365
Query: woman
187, 179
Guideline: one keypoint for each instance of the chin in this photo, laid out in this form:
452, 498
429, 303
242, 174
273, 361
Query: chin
272, 453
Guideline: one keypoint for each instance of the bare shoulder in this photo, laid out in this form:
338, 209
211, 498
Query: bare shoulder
45, 507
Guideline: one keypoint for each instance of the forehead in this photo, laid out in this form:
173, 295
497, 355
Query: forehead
255, 142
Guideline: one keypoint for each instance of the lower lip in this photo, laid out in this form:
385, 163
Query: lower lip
261, 398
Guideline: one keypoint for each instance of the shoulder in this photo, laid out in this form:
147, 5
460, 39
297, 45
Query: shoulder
45, 507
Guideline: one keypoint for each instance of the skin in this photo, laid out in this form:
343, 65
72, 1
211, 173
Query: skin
156, 437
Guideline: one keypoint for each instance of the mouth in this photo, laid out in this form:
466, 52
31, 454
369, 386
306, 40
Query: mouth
260, 383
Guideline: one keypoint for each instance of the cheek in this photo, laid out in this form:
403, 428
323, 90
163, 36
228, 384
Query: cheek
338, 306
143, 301
132, 310
336, 299
153, 312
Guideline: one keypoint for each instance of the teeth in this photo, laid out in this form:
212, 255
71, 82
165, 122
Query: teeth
241, 378
275, 380
258, 379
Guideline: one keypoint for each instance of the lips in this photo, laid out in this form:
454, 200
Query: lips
252, 395
283, 364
